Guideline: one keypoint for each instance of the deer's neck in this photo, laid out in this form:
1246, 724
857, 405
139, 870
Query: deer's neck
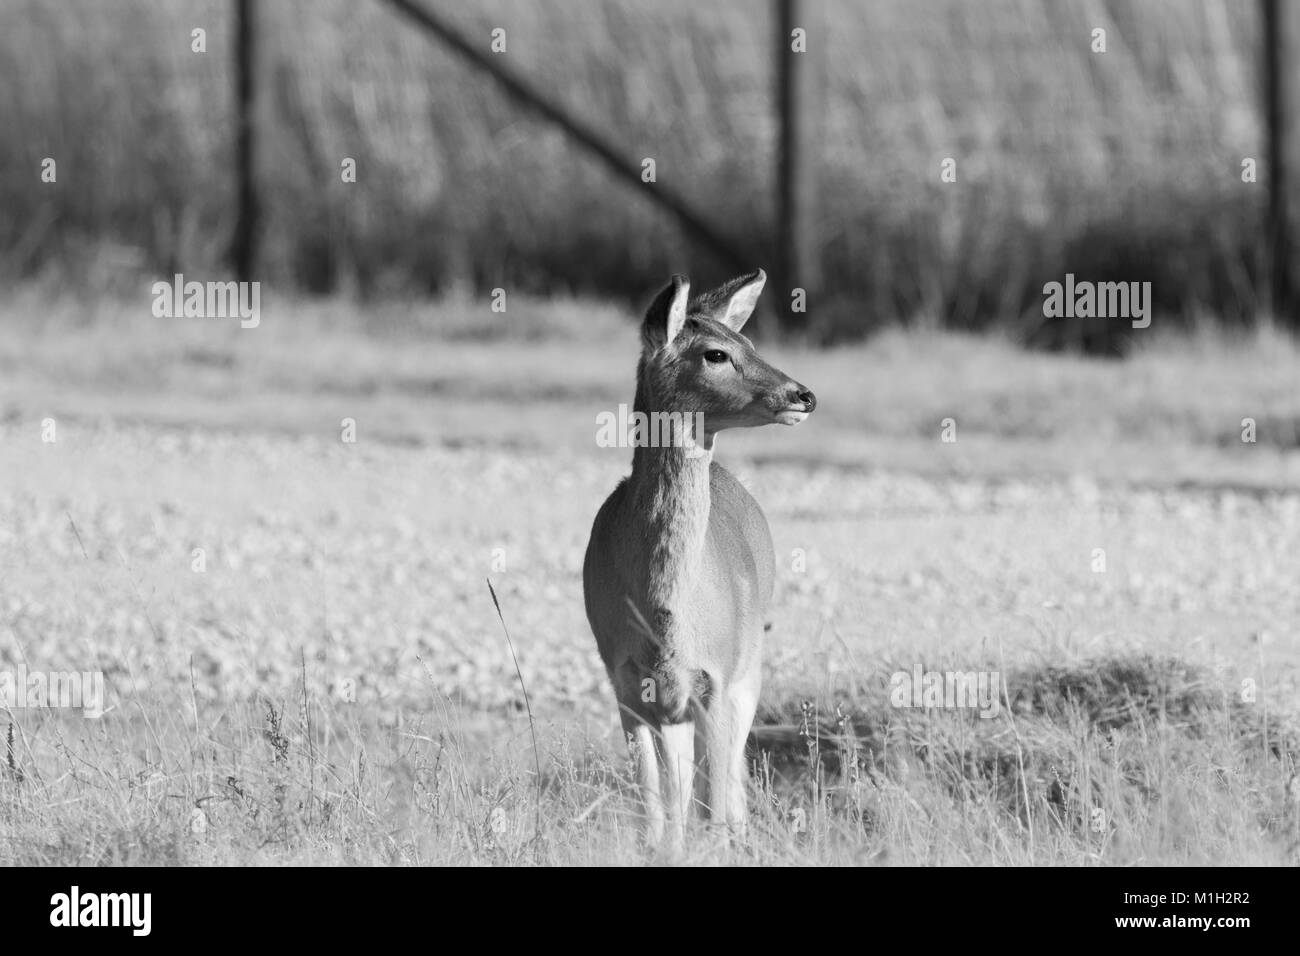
670, 505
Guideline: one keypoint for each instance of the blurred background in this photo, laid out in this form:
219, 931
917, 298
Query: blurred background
273, 541
1124, 165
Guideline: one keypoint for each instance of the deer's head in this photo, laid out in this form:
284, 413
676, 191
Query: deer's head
695, 361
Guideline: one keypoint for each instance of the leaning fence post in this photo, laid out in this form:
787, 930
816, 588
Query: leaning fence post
587, 135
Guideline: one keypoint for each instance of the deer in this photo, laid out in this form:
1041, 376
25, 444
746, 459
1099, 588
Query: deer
679, 570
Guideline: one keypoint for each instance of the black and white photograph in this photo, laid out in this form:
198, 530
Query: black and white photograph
604, 433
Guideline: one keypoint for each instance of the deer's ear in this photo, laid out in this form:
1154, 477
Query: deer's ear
738, 298
667, 313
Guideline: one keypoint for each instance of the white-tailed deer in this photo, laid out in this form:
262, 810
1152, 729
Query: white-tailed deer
679, 570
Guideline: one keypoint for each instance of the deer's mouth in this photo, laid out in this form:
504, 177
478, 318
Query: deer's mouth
791, 416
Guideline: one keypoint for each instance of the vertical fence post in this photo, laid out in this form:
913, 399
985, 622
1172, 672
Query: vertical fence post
1280, 24
244, 245
797, 255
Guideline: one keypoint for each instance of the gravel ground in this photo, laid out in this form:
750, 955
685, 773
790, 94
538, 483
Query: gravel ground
370, 559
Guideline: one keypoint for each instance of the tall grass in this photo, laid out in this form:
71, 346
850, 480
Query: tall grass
1122, 165
1108, 762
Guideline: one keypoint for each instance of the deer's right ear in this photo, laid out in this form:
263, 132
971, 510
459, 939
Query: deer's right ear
667, 313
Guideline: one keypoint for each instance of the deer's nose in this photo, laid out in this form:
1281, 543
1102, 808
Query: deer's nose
800, 394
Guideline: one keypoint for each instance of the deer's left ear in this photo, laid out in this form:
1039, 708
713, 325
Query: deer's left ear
740, 297
667, 314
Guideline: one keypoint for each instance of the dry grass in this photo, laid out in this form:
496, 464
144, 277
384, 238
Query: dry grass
1109, 760
1181, 777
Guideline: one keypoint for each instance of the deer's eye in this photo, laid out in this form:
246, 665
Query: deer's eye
716, 357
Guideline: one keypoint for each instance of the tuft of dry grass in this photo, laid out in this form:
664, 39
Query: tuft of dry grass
1109, 760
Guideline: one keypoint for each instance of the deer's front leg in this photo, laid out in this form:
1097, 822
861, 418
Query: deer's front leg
730, 716
641, 728
678, 743
645, 762
744, 702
